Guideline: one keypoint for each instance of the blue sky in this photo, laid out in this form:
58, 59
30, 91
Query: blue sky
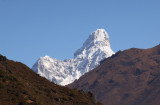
30, 29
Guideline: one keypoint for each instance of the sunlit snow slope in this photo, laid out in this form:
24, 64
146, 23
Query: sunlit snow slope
95, 49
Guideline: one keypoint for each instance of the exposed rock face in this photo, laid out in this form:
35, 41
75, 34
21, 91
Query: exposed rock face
96, 48
130, 77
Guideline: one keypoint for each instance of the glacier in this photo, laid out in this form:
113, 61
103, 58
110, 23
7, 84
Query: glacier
95, 49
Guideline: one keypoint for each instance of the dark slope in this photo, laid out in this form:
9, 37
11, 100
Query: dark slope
19, 85
130, 77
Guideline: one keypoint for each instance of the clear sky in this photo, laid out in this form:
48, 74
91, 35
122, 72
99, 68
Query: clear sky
30, 29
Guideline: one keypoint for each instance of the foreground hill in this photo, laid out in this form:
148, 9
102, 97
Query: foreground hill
130, 77
19, 85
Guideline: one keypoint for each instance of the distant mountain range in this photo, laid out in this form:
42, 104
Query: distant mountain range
19, 85
95, 49
130, 77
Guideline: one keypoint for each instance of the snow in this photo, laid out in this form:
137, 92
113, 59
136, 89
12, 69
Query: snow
95, 49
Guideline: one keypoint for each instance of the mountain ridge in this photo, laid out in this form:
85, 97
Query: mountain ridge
130, 77
95, 48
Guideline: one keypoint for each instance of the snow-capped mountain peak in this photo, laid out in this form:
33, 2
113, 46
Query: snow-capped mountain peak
99, 39
100, 35
95, 49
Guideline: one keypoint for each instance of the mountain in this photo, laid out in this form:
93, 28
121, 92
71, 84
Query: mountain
95, 49
130, 77
19, 85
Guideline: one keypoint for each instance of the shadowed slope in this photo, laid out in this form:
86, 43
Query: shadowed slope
19, 85
130, 77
